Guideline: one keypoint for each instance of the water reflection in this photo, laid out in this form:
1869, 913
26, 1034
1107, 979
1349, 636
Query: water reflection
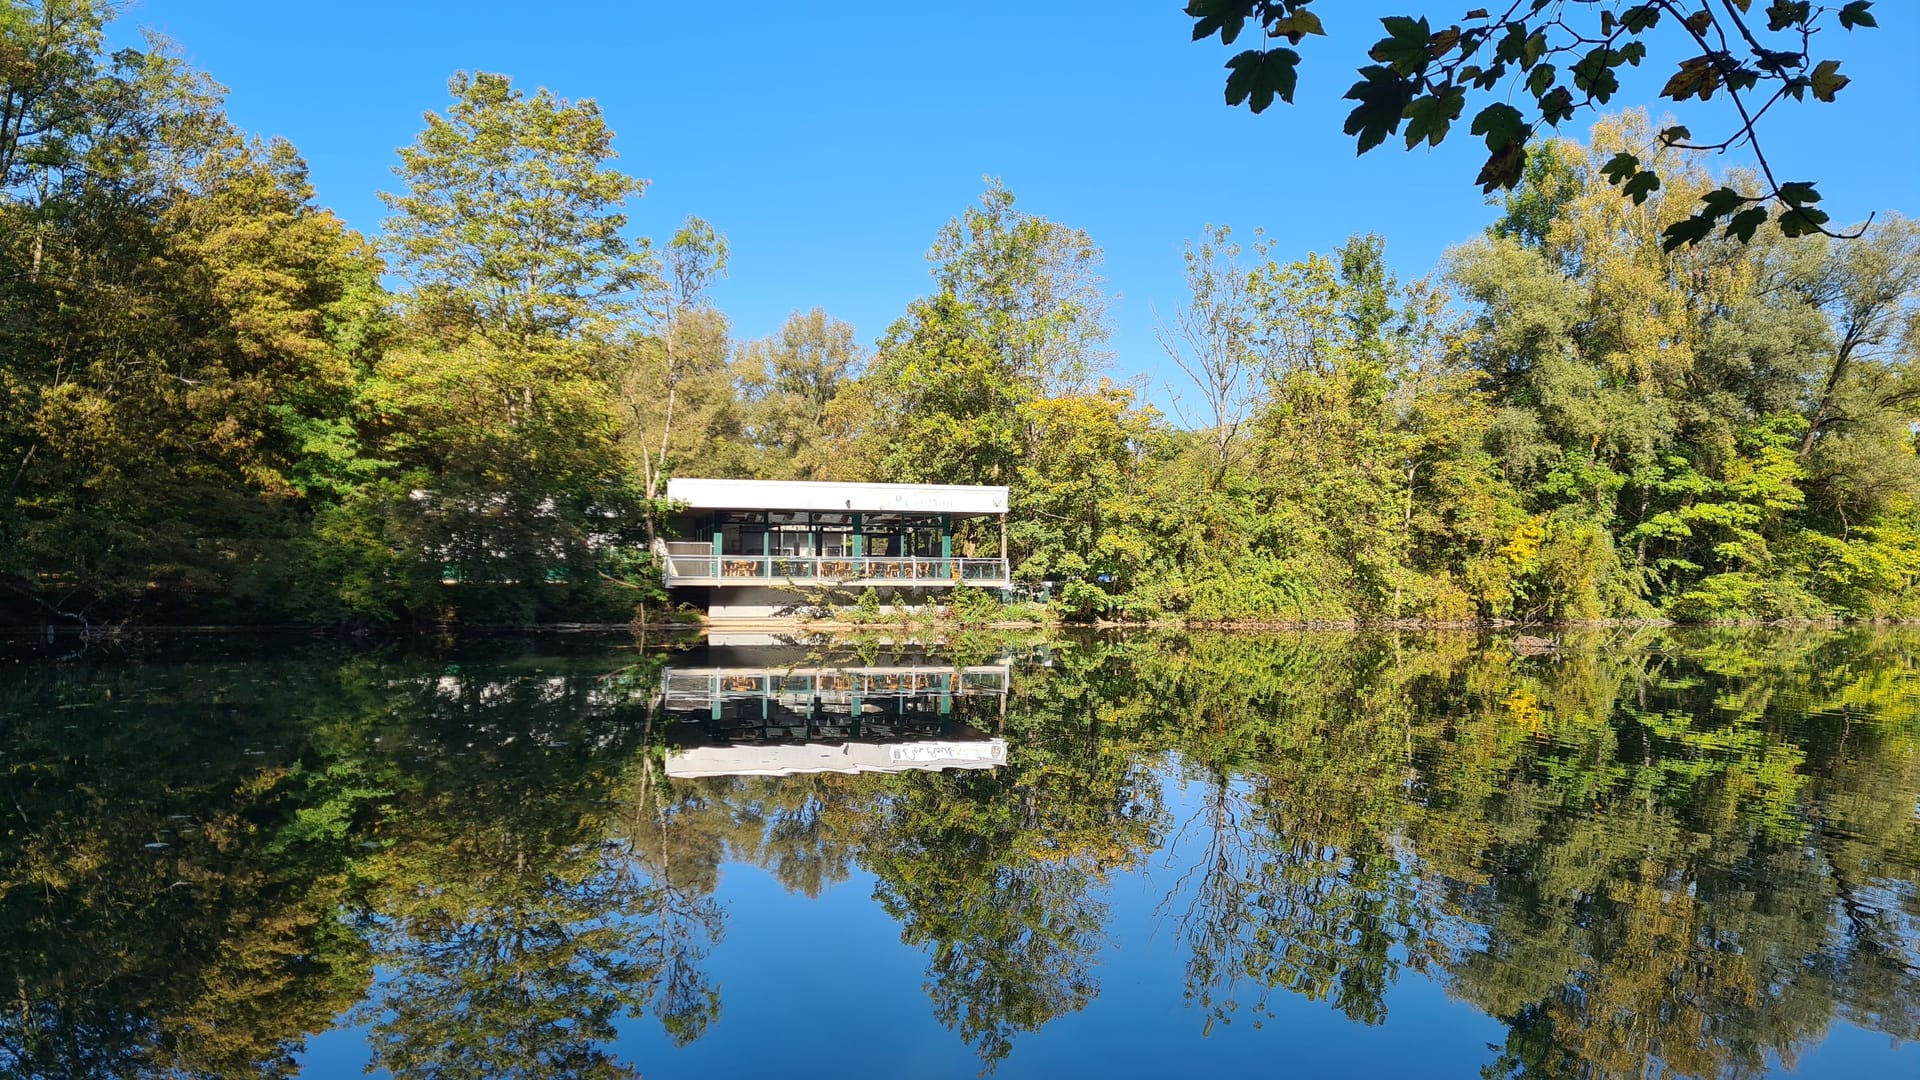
524, 899
1695, 853
773, 711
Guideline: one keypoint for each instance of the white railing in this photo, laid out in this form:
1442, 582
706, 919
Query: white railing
710, 569
697, 687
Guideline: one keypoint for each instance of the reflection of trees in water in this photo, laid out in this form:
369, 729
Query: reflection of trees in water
998, 874
1011, 935
212, 867
1297, 880
1695, 856
1692, 857
528, 903
1630, 860
162, 911
995, 873
1259, 911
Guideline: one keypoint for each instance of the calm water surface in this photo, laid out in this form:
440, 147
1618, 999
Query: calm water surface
1638, 855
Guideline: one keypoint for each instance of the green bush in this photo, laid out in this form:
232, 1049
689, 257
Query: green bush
1742, 595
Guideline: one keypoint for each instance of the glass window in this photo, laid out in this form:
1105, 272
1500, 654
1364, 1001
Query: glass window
743, 540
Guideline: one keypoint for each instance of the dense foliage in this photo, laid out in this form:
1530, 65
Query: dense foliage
217, 402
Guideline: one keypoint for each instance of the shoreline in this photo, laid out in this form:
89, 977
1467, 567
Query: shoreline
836, 627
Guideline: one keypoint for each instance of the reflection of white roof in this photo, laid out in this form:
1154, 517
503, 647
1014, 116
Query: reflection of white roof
854, 757
818, 495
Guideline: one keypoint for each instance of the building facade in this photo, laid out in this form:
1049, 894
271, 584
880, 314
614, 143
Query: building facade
750, 548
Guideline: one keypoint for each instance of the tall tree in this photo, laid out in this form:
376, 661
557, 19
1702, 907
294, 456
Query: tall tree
1665, 398
790, 381
942, 405
1866, 292
1212, 341
512, 224
1034, 285
671, 370
1077, 501
179, 327
494, 402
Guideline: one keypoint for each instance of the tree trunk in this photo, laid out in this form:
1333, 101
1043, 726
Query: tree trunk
655, 468
13, 485
1823, 410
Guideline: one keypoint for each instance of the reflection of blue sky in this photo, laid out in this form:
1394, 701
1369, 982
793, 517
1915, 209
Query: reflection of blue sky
825, 988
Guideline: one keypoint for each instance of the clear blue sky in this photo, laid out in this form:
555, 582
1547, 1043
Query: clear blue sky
830, 141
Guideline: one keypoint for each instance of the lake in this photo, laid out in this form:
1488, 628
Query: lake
1638, 853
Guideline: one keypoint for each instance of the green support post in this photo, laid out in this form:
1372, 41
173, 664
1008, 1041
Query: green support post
859, 547
946, 545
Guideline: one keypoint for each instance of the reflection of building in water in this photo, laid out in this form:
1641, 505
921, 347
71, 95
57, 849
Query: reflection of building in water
751, 714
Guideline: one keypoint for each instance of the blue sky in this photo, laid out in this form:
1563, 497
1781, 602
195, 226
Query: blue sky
830, 141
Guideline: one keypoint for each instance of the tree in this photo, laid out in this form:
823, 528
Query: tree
1565, 58
180, 328
944, 407
1867, 292
511, 224
1033, 285
1076, 503
1341, 338
1212, 340
671, 370
789, 382
1666, 397
964, 388
494, 401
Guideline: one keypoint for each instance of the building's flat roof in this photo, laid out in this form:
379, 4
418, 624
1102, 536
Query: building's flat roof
822, 495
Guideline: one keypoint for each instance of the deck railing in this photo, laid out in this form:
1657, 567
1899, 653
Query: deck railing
700, 687
710, 569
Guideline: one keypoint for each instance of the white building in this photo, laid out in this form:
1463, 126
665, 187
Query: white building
747, 548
